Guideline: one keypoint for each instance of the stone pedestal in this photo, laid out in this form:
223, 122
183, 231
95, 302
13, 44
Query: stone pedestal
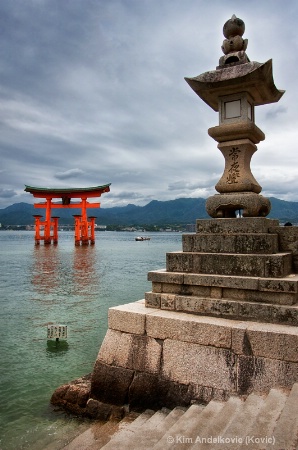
221, 320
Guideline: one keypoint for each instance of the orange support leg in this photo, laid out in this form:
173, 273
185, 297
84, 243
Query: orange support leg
47, 227
37, 228
84, 228
55, 229
77, 229
92, 230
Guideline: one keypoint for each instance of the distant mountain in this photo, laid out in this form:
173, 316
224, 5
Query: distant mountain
179, 211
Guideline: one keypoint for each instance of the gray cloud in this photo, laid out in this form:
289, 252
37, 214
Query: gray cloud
93, 92
71, 173
7, 193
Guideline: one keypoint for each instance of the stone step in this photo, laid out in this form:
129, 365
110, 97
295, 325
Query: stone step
186, 429
100, 433
217, 427
252, 265
180, 424
151, 431
59, 434
286, 430
230, 243
127, 433
238, 429
281, 291
288, 284
225, 308
263, 425
241, 225
259, 422
148, 431
168, 422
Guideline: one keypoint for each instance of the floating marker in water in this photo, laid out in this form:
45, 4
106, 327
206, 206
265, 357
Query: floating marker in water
57, 331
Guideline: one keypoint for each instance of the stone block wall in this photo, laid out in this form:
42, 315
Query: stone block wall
157, 358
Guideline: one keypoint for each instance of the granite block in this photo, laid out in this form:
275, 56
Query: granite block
130, 351
161, 276
189, 363
241, 225
230, 243
260, 297
208, 331
234, 282
129, 318
267, 340
262, 374
152, 300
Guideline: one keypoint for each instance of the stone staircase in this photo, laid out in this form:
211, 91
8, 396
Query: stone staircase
233, 268
258, 422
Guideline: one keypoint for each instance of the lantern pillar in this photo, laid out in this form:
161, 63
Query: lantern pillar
234, 89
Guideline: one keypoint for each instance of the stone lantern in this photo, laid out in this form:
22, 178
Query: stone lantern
234, 89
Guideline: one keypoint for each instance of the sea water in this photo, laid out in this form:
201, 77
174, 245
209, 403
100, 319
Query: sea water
69, 285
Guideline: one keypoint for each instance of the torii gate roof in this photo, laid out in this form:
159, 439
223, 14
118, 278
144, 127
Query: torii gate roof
103, 188
92, 191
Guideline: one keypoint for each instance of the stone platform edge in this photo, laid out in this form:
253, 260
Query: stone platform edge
153, 358
154, 355
266, 340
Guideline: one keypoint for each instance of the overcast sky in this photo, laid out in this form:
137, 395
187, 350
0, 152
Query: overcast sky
93, 92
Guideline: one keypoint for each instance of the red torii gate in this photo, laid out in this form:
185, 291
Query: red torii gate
84, 228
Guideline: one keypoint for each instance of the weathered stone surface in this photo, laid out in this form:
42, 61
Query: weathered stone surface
206, 331
73, 396
236, 309
235, 282
234, 131
241, 225
266, 340
230, 243
279, 286
260, 297
131, 351
161, 276
110, 384
288, 241
103, 411
208, 306
285, 314
240, 179
152, 300
252, 77
167, 301
204, 394
146, 389
129, 318
262, 374
156, 392
278, 265
283, 285
98, 410
168, 288
189, 363
185, 289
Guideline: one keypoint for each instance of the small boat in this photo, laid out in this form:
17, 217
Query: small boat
142, 238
